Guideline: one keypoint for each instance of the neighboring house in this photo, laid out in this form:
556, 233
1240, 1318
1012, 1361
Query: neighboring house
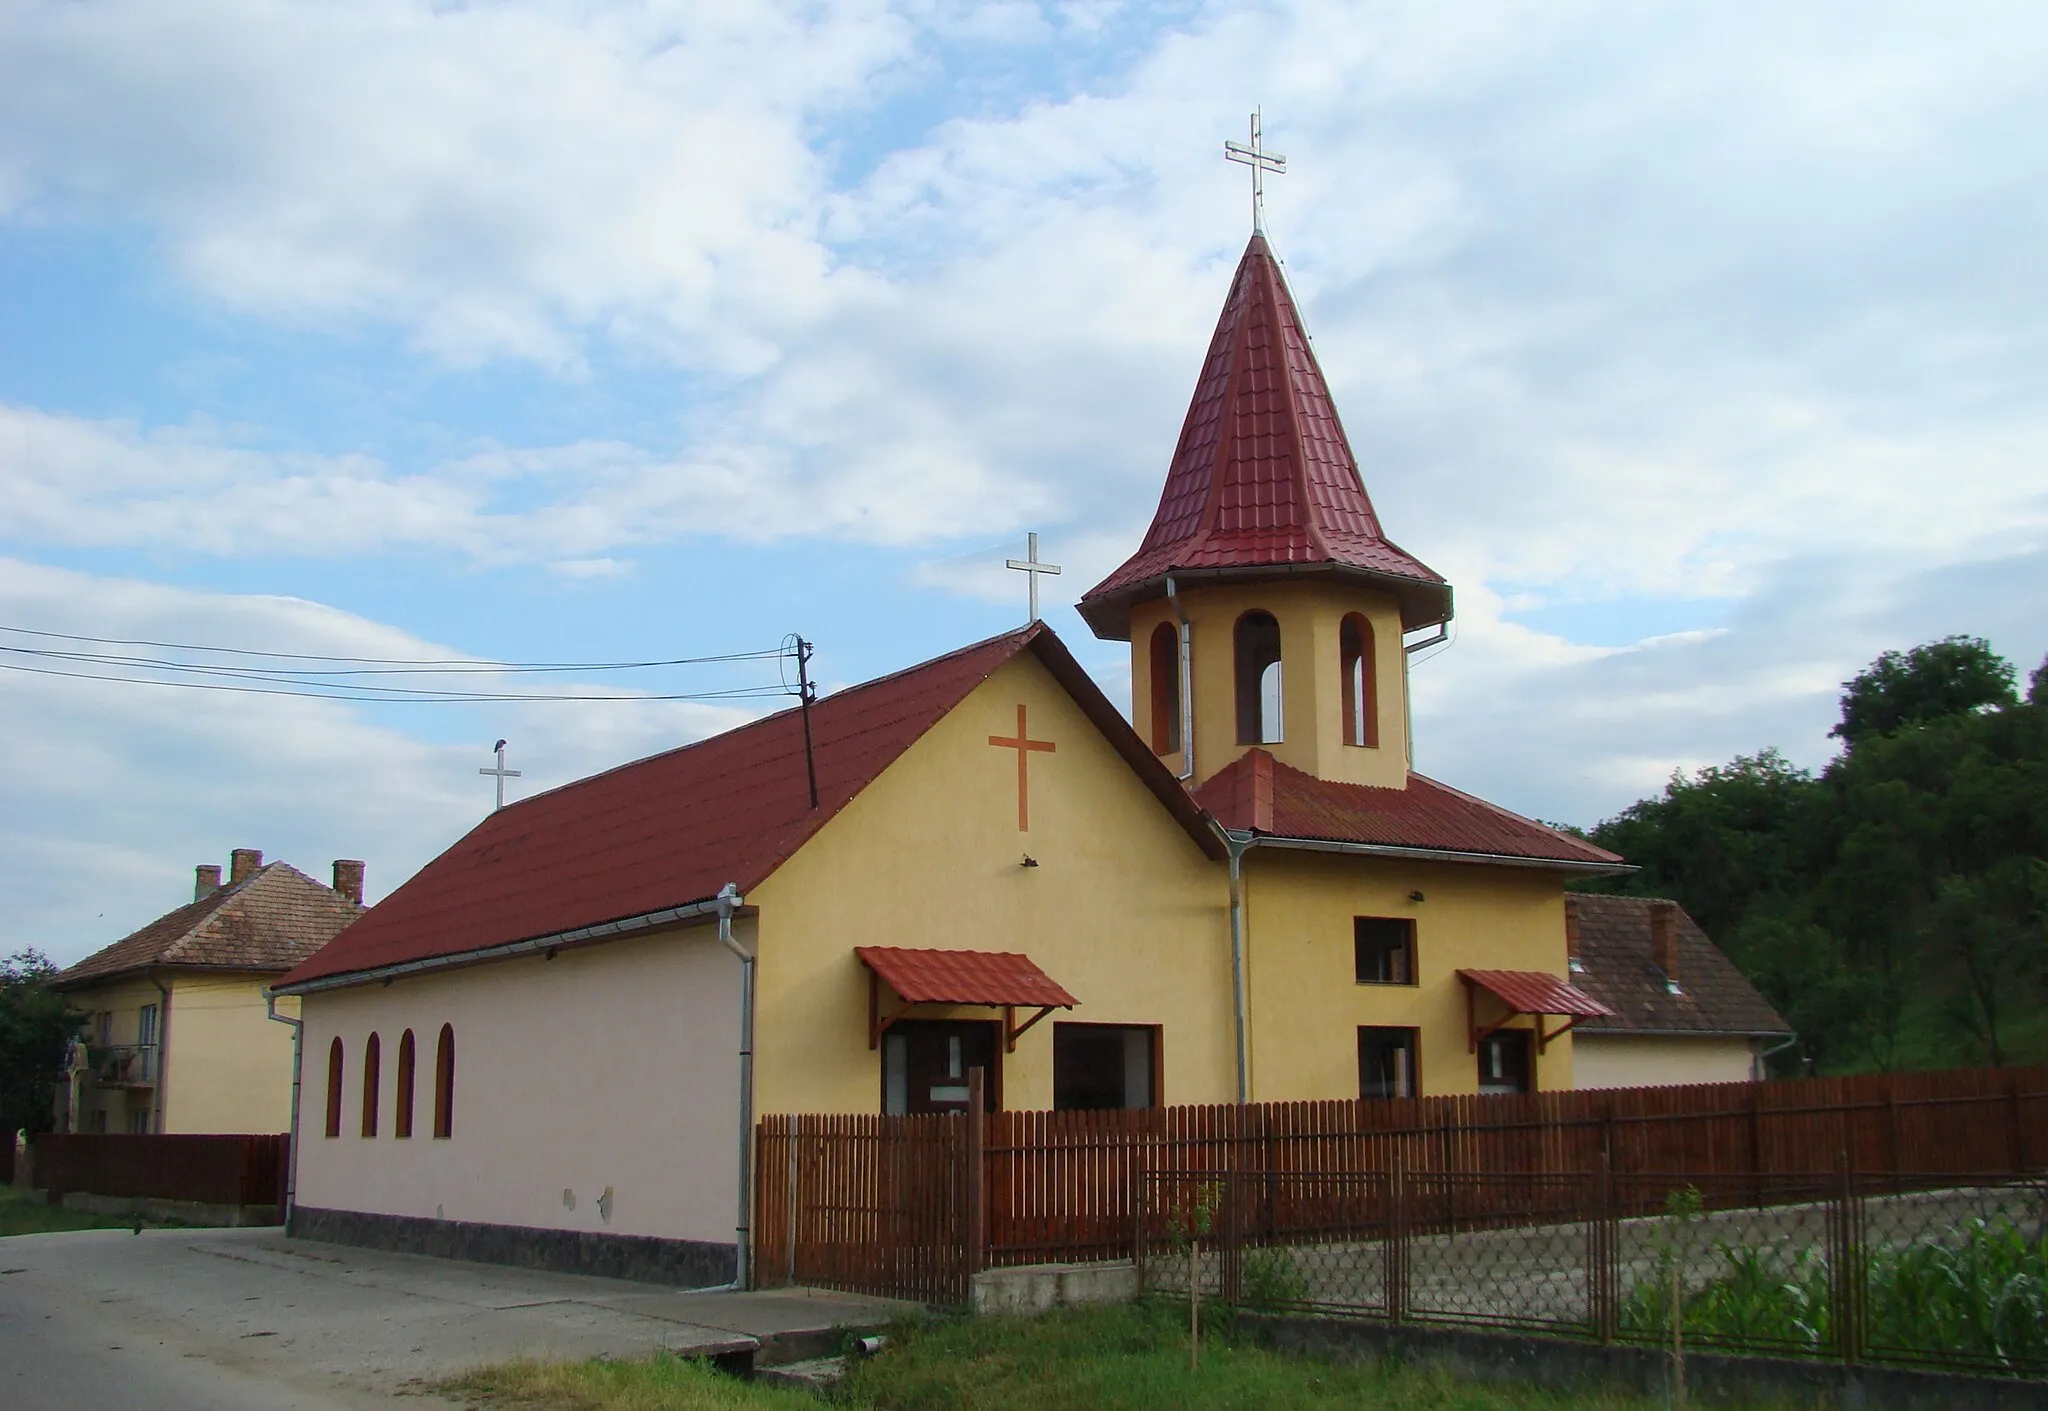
1682, 1012
533, 1048
177, 1034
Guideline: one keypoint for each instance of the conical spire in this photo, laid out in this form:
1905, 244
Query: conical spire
1263, 482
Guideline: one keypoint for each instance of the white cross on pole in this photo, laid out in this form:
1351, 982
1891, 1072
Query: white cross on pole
1031, 567
502, 772
1260, 161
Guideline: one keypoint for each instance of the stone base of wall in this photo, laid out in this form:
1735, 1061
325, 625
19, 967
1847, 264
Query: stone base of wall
1033, 1288
684, 1263
1713, 1379
184, 1212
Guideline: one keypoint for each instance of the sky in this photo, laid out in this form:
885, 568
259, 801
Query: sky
1701, 347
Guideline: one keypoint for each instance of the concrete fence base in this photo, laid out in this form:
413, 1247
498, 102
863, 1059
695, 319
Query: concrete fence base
185, 1212
1713, 1379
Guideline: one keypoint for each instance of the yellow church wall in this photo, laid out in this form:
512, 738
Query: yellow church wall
1123, 909
229, 1068
1305, 1004
1310, 615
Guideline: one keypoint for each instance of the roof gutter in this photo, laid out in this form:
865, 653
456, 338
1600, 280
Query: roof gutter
1587, 868
604, 931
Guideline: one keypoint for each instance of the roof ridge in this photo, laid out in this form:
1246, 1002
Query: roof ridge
1023, 634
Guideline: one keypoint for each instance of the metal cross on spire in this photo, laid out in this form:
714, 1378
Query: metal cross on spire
1255, 156
1032, 568
501, 771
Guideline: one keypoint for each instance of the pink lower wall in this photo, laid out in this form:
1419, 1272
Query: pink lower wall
613, 1067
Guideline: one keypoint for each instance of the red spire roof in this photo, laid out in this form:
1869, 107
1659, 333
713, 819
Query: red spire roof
1263, 481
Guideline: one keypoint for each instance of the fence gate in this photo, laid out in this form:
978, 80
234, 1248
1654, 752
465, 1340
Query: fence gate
869, 1204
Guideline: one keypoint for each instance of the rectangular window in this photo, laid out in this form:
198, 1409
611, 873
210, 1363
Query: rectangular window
105, 1028
145, 1029
1104, 1067
1386, 1063
1384, 948
1504, 1065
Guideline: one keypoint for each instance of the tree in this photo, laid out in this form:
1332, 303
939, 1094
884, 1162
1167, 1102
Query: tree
1953, 676
36, 1029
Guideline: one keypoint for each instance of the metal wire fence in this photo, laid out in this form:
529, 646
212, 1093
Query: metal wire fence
1948, 1271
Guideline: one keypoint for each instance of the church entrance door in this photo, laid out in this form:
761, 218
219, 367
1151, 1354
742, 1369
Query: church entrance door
925, 1063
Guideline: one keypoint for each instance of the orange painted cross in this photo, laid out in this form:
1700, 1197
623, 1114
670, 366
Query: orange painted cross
1023, 744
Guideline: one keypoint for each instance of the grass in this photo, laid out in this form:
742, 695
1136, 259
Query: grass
27, 1213
1107, 1357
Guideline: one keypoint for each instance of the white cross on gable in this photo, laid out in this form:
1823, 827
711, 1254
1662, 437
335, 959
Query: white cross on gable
1032, 568
1255, 156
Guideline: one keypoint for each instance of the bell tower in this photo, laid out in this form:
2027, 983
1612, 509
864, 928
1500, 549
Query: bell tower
1265, 608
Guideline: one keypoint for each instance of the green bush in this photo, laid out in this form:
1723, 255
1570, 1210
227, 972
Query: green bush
1271, 1281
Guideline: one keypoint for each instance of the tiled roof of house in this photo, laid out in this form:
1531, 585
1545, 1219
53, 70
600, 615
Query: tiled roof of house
1615, 948
270, 921
1264, 478
671, 830
1257, 793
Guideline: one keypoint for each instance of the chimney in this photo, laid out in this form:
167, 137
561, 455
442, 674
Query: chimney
242, 862
206, 880
348, 879
1664, 940
1571, 935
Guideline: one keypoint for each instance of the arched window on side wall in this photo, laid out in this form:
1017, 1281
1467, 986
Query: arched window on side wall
334, 1087
1361, 686
1165, 689
373, 1055
1258, 679
444, 1084
401, 1115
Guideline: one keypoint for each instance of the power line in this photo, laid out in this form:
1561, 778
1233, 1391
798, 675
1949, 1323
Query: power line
351, 693
460, 663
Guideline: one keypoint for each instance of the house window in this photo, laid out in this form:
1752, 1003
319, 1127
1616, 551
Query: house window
1104, 1067
145, 1026
1361, 692
444, 1083
401, 1116
105, 1029
1258, 679
334, 1087
138, 1122
99, 1120
1383, 949
925, 1064
373, 1061
1386, 1063
1504, 1065
1165, 689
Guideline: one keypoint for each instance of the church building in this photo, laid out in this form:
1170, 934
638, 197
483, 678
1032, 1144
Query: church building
561, 1031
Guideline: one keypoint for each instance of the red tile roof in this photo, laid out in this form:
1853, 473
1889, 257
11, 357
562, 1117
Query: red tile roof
1533, 992
964, 977
672, 829
1615, 947
1263, 477
269, 921
1257, 793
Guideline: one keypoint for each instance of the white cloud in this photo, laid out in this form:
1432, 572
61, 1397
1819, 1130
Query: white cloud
110, 794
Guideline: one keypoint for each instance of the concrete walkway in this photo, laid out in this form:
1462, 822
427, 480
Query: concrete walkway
233, 1319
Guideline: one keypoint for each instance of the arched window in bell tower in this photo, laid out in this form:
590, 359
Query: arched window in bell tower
1258, 679
1361, 691
1165, 652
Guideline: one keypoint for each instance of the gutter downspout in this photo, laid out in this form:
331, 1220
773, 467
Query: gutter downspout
1763, 1059
291, 1156
1187, 692
729, 900
162, 1100
1239, 845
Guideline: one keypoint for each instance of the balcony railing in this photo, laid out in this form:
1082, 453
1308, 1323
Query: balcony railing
123, 1065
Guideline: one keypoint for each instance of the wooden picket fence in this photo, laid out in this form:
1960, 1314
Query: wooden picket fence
912, 1206
218, 1170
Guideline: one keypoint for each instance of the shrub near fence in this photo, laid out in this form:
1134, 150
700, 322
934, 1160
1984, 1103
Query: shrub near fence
1066, 1185
217, 1170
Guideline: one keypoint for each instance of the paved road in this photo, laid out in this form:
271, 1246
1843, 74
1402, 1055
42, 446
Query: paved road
222, 1320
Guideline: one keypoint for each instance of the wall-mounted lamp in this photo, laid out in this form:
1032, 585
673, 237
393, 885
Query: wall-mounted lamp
1029, 861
